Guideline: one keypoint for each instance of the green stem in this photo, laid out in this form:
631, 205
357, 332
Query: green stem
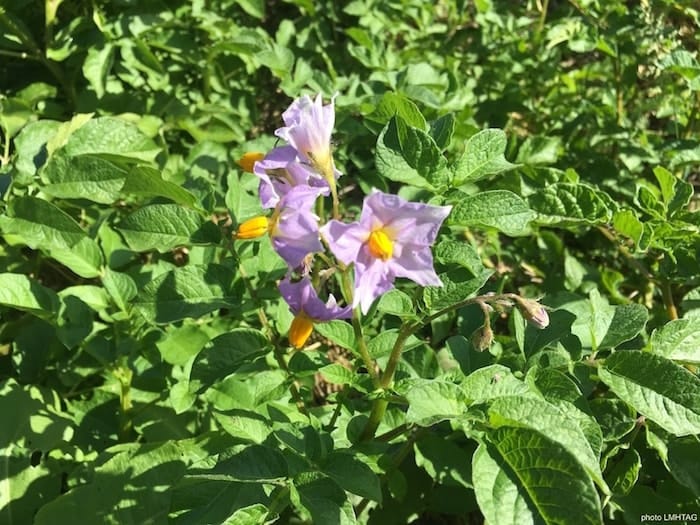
543, 18
362, 347
380, 405
670, 306
124, 375
369, 363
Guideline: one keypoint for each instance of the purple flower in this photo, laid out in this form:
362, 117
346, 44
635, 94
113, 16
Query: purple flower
294, 227
392, 239
280, 171
308, 309
308, 128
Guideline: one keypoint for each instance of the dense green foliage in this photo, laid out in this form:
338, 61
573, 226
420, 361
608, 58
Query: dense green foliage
145, 375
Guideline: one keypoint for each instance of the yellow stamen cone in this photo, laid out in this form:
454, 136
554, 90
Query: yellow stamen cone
300, 330
380, 246
253, 228
248, 160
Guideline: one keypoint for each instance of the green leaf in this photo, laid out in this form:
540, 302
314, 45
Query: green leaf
22, 293
182, 343
165, 226
499, 209
224, 354
322, 498
120, 286
352, 474
395, 104
41, 225
191, 291
539, 150
628, 320
111, 138
382, 344
524, 477
409, 155
456, 287
492, 382
444, 461
242, 203
566, 204
396, 302
338, 332
30, 147
551, 422
146, 181
684, 462
657, 388
678, 340
32, 424
623, 474
254, 463
85, 177
442, 130
337, 374
128, 474
97, 66
432, 400
464, 254
627, 223
483, 156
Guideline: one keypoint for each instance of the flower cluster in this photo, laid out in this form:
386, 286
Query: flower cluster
392, 237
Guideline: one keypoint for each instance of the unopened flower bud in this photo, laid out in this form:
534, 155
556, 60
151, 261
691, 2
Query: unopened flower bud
300, 330
483, 338
533, 312
253, 228
248, 160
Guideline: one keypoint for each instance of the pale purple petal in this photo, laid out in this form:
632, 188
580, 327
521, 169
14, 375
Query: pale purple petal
308, 128
296, 235
373, 277
280, 171
301, 296
345, 240
292, 293
415, 263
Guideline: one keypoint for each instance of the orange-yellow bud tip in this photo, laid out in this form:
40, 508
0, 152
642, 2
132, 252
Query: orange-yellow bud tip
248, 160
253, 228
300, 330
380, 246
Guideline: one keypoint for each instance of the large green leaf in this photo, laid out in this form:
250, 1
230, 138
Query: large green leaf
483, 156
20, 292
431, 400
41, 225
111, 138
657, 388
31, 425
551, 421
352, 474
130, 475
498, 209
191, 291
162, 227
678, 340
147, 182
566, 204
323, 499
526, 478
83, 177
409, 155
456, 287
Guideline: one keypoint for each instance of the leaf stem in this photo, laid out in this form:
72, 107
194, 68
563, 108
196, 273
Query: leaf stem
670, 306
